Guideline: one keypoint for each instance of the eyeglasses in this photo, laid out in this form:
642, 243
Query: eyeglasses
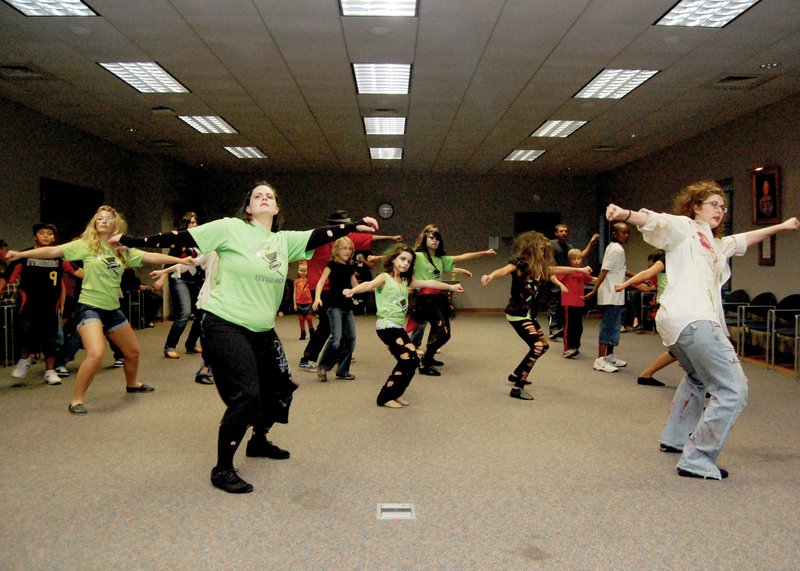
717, 206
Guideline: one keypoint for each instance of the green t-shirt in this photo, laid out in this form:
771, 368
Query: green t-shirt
424, 270
251, 271
102, 272
391, 301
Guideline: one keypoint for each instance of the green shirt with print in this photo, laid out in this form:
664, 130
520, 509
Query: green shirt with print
102, 272
425, 270
251, 270
391, 300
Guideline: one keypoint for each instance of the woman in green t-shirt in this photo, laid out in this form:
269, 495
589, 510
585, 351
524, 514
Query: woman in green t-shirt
239, 341
99, 314
391, 299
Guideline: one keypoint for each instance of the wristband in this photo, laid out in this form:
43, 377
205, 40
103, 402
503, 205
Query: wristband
629, 215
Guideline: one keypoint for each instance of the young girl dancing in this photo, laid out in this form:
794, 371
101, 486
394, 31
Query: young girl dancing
302, 300
391, 299
340, 273
530, 266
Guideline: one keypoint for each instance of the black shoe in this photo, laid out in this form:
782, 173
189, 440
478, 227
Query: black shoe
513, 379
140, 389
669, 449
263, 448
649, 381
430, 371
522, 394
203, 379
687, 474
302, 336
78, 408
228, 480
436, 363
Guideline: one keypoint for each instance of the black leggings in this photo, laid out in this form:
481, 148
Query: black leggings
531, 332
435, 309
401, 347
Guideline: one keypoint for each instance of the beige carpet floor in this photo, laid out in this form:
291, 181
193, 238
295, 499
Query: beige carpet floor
571, 480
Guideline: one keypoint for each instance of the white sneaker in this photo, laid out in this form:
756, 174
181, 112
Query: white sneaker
600, 364
51, 378
118, 363
62, 371
21, 369
614, 361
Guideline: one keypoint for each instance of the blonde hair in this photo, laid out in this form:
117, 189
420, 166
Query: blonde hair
92, 238
574, 253
533, 248
335, 250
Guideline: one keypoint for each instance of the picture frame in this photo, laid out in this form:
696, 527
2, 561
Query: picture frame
766, 195
766, 251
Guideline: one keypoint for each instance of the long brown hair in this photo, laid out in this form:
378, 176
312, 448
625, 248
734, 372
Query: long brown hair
243, 214
533, 248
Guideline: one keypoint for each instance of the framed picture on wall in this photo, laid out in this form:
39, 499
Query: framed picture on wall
766, 195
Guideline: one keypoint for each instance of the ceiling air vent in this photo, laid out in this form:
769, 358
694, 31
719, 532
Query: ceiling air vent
605, 149
739, 82
20, 72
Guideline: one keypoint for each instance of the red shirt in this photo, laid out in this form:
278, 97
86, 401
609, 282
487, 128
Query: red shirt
574, 282
302, 293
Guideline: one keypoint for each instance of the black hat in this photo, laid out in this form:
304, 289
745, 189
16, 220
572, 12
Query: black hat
338, 217
38, 226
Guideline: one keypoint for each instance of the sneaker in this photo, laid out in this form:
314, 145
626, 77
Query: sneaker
569, 353
62, 371
346, 377
723, 473
615, 362
263, 448
522, 394
600, 364
557, 332
669, 449
51, 378
203, 379
228, 480
118, 363
21, 369
308, 366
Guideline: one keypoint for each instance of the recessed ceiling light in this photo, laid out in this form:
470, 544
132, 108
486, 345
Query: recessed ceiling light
146, 77
207, 123
524, 155
771, 65
705, 13
378, 7
615, 83
385, 125
558, 128
387, 78
51, 7
387, 153
246, 152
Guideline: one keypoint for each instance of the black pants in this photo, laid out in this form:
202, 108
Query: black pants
435, 309
573, 327
401, 348
319, 337
251, 373
529, 331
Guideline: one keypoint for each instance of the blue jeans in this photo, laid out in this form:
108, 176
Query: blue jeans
182, 293
342, 341
611, 324
711, 365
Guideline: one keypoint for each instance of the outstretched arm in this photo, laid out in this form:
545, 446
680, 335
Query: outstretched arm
616, 213
758, 235
155, 258
592, 242
435, 284
642, 276
326, 234
46, 253
366, 286
473, 255
498, 273
396, 238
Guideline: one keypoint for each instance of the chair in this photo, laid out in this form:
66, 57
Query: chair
8, 352
731, 305
135, 302
782, 325
753, 319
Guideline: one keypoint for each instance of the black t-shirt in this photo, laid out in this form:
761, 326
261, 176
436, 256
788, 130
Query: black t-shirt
524, 291
40, 283
338, 281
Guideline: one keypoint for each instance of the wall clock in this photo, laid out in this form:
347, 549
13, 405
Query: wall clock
385, 210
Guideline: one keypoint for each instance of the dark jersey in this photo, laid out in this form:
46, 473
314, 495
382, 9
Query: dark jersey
40, 283
339, 280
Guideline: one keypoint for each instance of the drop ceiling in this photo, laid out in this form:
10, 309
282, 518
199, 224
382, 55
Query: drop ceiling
485, 75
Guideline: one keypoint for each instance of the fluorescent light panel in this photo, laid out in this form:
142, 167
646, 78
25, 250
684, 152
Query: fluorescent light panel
387, 153
386, 78
558, 128
524, 155
705, 13
385, 125
246, 152
52, 7
615, 83
146, 77
207, 123
379, 7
